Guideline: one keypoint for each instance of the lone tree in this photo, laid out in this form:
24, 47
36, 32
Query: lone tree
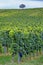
22, 6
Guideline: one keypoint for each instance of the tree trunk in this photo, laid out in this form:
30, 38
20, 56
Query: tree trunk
5, 49
37, 53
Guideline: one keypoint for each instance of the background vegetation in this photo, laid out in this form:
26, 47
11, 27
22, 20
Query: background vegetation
21, 30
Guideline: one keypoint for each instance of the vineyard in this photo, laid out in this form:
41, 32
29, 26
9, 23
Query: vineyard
21, 33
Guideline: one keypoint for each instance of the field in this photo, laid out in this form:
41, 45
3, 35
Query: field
21, 29
13, 19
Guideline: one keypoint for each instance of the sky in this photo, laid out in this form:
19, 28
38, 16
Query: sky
14, 4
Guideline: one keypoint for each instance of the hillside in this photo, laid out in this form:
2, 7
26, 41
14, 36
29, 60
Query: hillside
21, 32
11, 19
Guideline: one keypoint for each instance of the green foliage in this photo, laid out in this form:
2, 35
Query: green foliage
20, 19
0, 48
22, 30
28, 42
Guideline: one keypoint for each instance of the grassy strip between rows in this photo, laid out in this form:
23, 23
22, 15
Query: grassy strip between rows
7, 60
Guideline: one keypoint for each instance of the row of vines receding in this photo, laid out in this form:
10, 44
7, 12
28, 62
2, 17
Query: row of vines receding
26, 41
